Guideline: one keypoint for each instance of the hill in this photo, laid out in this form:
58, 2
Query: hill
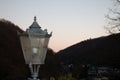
98, 51
10, 51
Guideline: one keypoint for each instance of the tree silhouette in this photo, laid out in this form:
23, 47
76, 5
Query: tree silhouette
113, 18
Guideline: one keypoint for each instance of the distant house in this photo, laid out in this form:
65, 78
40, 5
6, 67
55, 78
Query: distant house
103, 71
98, 73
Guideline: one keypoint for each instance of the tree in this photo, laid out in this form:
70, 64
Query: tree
67, 77
113, 17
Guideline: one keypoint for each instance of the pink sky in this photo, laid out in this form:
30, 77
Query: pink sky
70, 20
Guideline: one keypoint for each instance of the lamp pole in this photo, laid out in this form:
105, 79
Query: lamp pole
34, 42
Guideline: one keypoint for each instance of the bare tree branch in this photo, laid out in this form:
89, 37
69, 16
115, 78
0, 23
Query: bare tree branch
118, 1
114, 19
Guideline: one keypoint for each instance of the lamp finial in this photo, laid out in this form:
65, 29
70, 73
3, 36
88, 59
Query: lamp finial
35, 18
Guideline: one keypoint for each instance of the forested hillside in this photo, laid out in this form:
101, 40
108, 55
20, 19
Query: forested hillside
99, 51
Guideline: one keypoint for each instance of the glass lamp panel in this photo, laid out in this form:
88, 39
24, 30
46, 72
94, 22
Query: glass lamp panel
39, 49
45, 45
25, 48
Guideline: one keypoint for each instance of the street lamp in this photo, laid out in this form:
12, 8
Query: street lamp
34, 42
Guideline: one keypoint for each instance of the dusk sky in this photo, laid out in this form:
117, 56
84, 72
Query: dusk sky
71, 21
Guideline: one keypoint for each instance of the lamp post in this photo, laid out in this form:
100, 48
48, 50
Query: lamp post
34, 42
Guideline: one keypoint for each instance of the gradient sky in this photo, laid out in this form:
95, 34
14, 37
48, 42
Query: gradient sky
70, 20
